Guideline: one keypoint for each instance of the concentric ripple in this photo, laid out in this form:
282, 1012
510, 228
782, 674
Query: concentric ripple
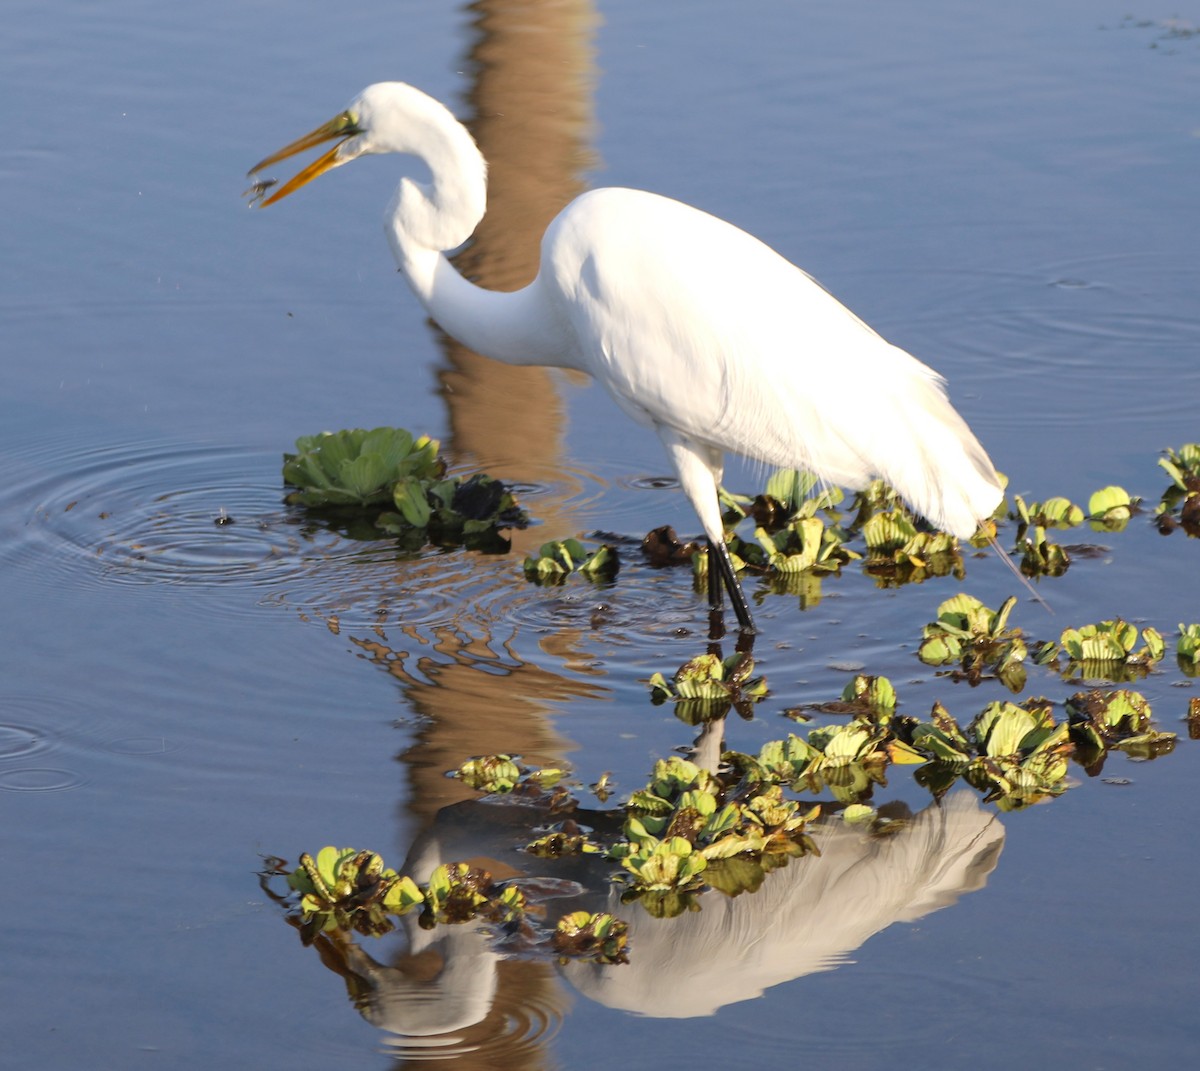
203, 517
155, 512
515, 1032
211, 518
39, 779
43, 738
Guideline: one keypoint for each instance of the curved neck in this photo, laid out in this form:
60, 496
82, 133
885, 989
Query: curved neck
424, 219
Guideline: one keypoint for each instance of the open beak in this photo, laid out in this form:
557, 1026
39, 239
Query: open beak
341, 127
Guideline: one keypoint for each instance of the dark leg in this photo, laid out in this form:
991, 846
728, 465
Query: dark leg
715, 599
716, 602
727, 576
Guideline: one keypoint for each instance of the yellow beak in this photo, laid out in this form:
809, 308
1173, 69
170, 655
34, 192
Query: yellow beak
340, 127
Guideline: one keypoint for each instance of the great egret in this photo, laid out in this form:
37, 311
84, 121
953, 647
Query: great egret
694, 327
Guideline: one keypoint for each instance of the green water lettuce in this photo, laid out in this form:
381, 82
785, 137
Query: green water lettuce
400, 480
599, 937
557, 560
978, 639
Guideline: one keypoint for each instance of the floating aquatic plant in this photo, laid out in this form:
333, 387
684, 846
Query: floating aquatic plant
359, 470
458, 892
501, 774
669, 865
1119, 719
687, 821
1110, 508
872, 695
1187, 649
599, 937
557, 560
977, 638
662, 547
1040, 556
898, 552
569, 838
1180, 504
1016, 754
342, 888
877, 497
857, 814
358, 467
805, 544
453, 509
845, 759
490, 773
1055, 512
791, 493
1108, 650
705, 687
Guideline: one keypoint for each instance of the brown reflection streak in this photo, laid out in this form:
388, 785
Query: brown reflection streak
472, 704
531, 102
532, 117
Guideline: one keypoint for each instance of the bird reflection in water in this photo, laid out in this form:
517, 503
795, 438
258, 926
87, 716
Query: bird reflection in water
806, 917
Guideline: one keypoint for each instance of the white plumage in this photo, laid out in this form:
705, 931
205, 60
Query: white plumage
696, 329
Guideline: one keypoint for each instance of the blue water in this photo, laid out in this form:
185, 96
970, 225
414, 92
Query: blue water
1008, 192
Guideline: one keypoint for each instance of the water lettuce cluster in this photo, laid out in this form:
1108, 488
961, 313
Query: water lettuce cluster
358, 467
399, 483
978, 640
688, 820
557, 560
599, 937
707, 686
804, 530
1187, 649
1016, 755
1106, 650
1119, 719
502, 774
346, 889
1180, 503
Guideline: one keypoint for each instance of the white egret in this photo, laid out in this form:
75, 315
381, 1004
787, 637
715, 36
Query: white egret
693, 326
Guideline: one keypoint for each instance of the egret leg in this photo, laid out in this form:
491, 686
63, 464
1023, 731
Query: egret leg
716, 600
699, 469
727, 575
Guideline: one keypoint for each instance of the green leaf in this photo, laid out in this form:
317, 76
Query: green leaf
409, 497
402, 895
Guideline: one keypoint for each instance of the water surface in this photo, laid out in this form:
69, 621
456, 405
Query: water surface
1008, 192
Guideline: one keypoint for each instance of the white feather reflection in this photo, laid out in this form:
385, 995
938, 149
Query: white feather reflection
807, 917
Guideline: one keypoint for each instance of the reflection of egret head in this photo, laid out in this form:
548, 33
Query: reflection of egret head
806, 917
413, 1004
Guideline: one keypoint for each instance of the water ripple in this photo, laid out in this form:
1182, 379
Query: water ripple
39, 779
516, 1032
33, 732
1063, 325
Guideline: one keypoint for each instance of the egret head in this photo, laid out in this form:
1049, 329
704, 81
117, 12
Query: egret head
343, 128
384, 117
